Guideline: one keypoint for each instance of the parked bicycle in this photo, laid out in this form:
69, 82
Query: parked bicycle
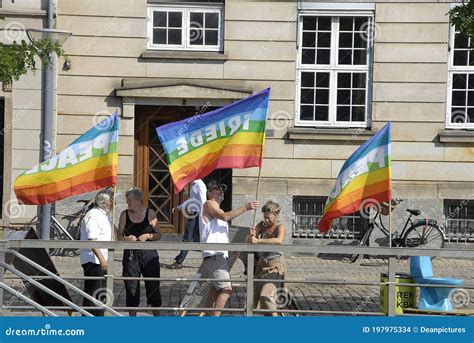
421, 233
71, 231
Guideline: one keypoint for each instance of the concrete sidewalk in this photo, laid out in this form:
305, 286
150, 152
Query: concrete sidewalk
349, 298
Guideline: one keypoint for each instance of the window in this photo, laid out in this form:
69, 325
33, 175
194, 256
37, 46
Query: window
308, 210
333, 70
182, 28
459, 226
460, 104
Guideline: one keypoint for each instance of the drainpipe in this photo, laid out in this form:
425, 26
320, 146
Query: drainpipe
47, 123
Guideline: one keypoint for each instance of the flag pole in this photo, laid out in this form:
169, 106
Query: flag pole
256, 195
112, 234
390, 221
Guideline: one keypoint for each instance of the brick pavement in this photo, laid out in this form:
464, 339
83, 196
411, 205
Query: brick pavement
349, 298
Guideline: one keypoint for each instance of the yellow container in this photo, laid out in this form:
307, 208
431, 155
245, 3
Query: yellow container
405, 296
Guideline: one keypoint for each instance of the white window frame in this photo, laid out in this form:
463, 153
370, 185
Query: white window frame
452, 69
333, 68
185, 29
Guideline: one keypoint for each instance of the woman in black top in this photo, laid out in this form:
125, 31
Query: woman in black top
139, 223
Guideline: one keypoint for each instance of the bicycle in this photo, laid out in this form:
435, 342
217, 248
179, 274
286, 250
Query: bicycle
72, 230
421, 233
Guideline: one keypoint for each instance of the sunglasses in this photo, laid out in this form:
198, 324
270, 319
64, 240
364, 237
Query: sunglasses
222, 188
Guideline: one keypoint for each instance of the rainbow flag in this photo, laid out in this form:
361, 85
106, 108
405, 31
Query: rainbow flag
87, 164
229, 137
364, 179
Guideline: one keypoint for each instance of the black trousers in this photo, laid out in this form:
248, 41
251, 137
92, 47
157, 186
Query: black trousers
94, 288
144, 263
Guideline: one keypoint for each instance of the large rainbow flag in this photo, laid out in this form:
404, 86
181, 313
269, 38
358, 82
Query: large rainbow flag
364, 179
229, 137
87, 164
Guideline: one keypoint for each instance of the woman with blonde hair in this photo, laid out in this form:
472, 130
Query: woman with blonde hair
270, 265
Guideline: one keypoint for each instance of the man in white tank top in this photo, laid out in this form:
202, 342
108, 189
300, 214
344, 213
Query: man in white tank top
213, 228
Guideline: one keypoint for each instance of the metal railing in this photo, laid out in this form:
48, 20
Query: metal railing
459, 230
9, 247
347, 227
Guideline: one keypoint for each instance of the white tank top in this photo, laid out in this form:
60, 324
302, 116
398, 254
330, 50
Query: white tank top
216, 231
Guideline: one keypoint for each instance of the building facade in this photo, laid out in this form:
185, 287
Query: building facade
338, 71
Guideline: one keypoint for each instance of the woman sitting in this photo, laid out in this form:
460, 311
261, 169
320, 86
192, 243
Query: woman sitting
270, 265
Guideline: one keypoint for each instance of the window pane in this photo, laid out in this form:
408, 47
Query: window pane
307, 79
360, 41
307, 96
309, 39
343, 97
323, 56
322, 113
345, 40
343, 113
345, 56
174, 19
471, 58
458, 115
471, 81
195, 37
324, 24
470, 98
196, 19
212, 20
360, 57
358, 97
306, 113
174, 36
159, 36
322, 96
344, 80
211, 37
159, 19
470, 115
358, 80
459, 98
361, 23
346, 23
461, 41
358, 113
324, 40
308, 56
460, 57
309, 23
322, 80
459, 81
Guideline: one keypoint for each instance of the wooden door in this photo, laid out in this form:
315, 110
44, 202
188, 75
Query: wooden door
151, 169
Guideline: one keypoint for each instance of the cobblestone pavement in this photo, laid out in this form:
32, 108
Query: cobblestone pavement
354, 299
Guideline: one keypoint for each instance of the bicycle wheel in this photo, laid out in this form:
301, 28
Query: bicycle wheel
423, 235
364, 242
55, 234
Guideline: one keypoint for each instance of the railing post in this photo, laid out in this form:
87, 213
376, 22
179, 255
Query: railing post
2, 276
250, 268
391, 286
109, 298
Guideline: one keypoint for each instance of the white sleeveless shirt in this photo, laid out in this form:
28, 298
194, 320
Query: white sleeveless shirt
216, 231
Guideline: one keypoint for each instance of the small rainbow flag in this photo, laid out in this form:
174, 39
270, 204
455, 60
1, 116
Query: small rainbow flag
364, 179
229, 137
87, 164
